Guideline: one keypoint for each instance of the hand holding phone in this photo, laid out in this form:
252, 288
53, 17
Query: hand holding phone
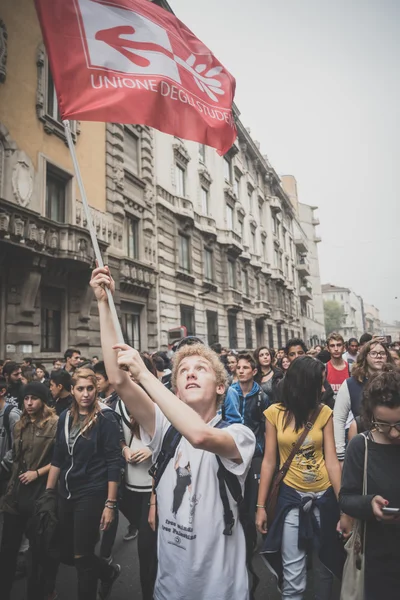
391, 512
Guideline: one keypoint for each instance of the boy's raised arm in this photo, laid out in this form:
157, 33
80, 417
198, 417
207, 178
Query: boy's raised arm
140, 406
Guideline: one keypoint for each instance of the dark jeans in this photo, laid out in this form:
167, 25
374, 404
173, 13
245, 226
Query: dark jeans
41, 573
135, 508
79, 533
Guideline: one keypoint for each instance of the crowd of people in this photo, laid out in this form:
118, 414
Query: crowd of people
198, 448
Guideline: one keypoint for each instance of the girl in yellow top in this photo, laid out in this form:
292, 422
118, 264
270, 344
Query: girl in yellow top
307, 510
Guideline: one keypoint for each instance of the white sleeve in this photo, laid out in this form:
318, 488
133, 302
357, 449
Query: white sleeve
161, 426
245, 442
340, 415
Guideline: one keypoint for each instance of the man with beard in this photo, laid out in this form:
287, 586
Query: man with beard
13, 376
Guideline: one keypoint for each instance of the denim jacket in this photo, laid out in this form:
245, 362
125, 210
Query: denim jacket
248, 410
322, 538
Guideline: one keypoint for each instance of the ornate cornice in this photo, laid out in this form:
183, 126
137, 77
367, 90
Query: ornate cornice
180, 153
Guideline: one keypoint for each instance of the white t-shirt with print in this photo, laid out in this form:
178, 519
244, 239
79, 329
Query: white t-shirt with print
195, 560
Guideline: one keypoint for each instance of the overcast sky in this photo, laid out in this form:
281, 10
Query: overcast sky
318, 84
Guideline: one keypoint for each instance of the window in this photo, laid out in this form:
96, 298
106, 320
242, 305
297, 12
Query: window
279, 332
229, 217
52, 102
232, 331
253, 241
246, 287
204, 200
51, 309
286, 336
270, 336
184, 252
56, 187
261, 212
132, 237
284, 238
231, 274
187, 319
180, 174
276, 258
212, 327
248, 334
264, 250
131, 152
202, 153
241, 226
236, 187
227, 169
258, 288
274, 225
130, 318
250, 198
208, 264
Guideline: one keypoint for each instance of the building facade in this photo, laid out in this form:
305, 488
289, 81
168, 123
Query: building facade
193, 239
353, 309
372, 319
312, 317
46, 255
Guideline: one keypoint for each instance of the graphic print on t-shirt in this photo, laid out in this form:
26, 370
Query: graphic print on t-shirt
306, 462
183, 483
183, 504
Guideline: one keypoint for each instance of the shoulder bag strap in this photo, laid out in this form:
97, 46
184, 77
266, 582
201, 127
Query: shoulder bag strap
6, 422
309, 425
365, 478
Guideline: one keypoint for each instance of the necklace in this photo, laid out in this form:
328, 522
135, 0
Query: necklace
266, 374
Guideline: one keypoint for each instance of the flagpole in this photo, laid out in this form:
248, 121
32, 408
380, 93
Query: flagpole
91, 228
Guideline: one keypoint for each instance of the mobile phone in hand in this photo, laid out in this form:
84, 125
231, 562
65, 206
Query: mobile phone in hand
390, 511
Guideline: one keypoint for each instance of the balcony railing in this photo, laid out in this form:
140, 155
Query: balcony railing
303, 267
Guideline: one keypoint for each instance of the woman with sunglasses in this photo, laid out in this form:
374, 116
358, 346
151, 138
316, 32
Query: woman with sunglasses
371, 359
381, 412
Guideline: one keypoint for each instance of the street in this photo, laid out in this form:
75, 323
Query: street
128, 584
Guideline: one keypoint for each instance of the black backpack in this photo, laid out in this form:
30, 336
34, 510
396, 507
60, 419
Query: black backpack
226, 479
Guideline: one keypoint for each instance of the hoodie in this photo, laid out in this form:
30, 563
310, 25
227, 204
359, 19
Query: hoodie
94, 458
248, 410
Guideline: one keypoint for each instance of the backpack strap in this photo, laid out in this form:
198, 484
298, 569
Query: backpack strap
6, 423
227, 479
169, 445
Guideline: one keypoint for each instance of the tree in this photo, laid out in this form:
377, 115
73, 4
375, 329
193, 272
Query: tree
334, 316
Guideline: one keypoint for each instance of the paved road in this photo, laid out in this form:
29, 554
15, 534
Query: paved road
127, 587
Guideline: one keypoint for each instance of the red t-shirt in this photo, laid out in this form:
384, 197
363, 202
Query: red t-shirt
335, 377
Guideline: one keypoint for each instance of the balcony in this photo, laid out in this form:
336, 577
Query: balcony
184, 208
315, 221
274, 203
206, 223
303, 267
305, 291
278, 316
277, 275
255, 261
26, 229
262, 309
301, 245
232, 240
265, 268
136, 276
317, 239
233, 300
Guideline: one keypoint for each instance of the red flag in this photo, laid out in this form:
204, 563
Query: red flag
130, 61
